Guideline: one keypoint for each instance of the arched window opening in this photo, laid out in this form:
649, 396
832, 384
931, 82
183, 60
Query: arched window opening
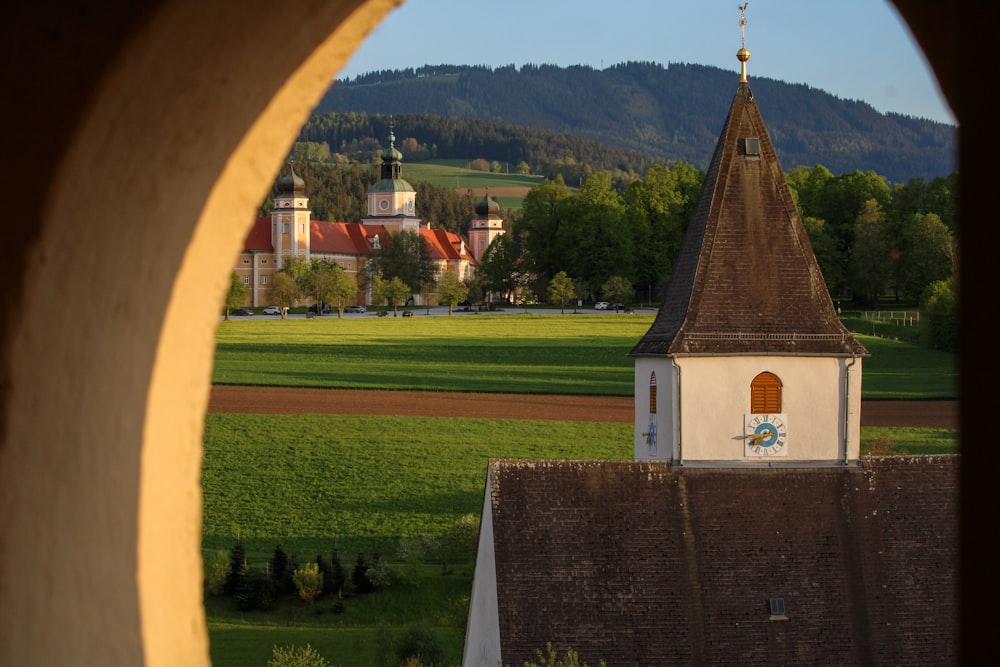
765, 393
652, 393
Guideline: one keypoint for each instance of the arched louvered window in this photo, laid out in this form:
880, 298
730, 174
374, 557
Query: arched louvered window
652, 393
765, 393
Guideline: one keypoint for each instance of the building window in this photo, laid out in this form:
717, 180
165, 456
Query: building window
652, 393
751, 146
765, 394
263, 261
246, 280
286, 228
263, 280
302, 228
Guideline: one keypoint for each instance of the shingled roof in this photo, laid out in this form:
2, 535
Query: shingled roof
746, 280
638, 563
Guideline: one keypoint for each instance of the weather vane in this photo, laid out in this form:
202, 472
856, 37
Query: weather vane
743, 55
743, 24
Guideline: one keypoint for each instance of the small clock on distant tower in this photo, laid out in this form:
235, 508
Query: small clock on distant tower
383, 204
765, 435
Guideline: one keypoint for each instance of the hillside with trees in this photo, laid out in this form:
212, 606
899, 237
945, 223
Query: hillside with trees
667, 114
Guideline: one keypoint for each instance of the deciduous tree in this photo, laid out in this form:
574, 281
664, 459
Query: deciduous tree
284, 290
451, 290
618, 289
561, 289
404, 255
237, 294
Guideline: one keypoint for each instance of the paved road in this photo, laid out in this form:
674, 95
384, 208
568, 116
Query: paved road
296, 400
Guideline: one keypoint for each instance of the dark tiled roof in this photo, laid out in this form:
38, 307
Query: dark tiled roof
746, 280
637, 563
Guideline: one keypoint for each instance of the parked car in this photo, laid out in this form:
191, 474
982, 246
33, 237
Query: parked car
629, 310
354, 309
383, 313
407, 313
326, 309
601, 305
272, 310
243, 312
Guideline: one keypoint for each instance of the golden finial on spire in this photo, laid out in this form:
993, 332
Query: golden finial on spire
743, 55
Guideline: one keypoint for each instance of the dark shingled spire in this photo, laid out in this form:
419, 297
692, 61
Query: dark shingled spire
746, 280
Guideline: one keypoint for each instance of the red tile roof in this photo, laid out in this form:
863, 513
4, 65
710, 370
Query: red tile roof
259, 237
340, 238
354, 238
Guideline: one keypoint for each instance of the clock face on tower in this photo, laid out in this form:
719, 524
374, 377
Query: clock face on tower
383, 205
765, 435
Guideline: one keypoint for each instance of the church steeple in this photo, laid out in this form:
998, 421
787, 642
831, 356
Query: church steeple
746, 362
746, 279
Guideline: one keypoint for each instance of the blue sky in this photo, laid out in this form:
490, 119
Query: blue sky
854, 49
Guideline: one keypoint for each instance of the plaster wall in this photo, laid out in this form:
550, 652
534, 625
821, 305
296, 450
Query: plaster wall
701, 407
482, 634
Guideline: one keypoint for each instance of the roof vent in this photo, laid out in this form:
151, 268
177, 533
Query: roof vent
750, 147
777, 609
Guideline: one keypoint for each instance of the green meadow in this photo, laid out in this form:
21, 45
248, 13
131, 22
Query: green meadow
576, 354
374, 484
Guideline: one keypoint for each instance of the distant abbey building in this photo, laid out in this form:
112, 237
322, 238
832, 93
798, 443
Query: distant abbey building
290, 231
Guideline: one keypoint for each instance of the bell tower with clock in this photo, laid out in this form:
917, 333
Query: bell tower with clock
392, 201
747, 363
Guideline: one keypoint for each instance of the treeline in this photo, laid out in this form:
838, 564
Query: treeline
870, 239
668, 113
421, 137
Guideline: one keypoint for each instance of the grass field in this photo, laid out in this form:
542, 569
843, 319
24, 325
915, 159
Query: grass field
511, 353
316, 483
508, 189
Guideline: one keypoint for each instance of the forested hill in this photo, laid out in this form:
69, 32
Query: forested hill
666, 113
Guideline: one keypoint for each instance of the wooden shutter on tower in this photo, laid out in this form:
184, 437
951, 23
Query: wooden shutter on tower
765, 393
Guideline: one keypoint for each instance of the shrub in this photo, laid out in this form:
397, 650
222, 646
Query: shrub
572, 659
378, 573
939, 317
420, 643
237, 568
296, 656
217, 572
308, 581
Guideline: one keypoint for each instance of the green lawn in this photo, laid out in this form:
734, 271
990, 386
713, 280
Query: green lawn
506, 353
456, 174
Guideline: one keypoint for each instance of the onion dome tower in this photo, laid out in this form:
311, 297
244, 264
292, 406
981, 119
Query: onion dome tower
747, 363
290, 218
392, 201
486, 226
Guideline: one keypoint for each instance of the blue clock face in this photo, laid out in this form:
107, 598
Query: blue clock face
651, 435
765, 435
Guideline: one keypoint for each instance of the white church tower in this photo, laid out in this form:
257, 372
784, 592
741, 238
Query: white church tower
291, 219
486, 226
747, 363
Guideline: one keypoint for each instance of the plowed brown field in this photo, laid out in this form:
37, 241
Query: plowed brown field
295, 400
